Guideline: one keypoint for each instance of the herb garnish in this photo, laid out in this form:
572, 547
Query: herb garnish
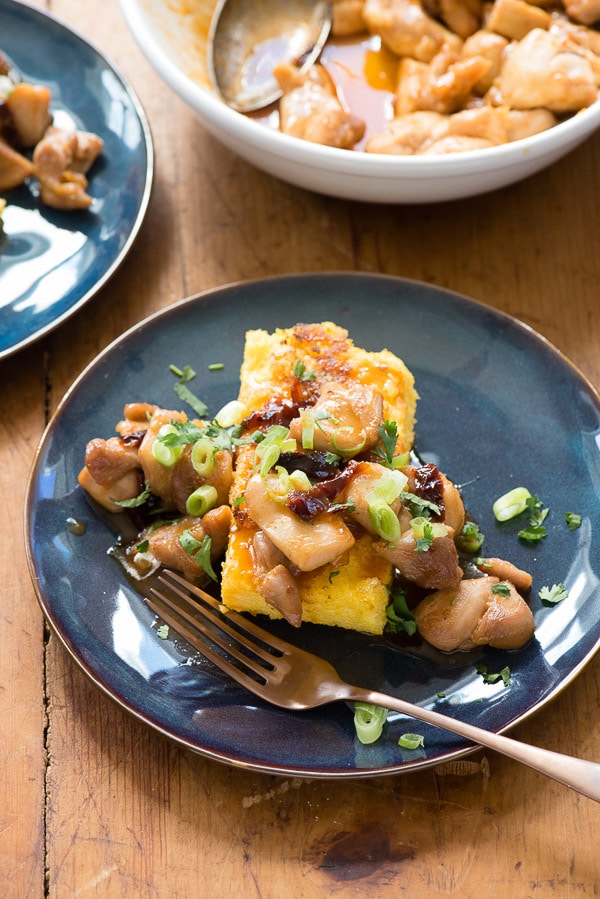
200, 551
137, 501
554, 594
493, 677
183, 392
537, 515
399, 616
301, 373
573, 520
501, 589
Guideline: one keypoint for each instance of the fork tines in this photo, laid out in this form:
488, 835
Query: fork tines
239, 647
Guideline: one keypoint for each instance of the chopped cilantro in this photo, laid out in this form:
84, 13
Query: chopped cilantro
493, 677
502, 589
301, 373
200, 551
573, 520
332, 574
137, 501
423, 544
399, 616
143, 546
388, 434
554, 594
419, 506
183, 392
537, 515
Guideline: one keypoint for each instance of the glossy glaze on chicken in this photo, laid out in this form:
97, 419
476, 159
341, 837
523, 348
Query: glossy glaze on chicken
312, 498
458, 74
32, 147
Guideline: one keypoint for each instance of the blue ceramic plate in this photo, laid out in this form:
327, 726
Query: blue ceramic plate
499, 407
52, 262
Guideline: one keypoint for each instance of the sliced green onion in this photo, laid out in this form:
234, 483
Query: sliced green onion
203, 456
511, 504
389, 486
165, 455
308, 430
400, 461
368, 721
347, 450
384, 520
231, 414
268, 459
434, 529
300, 480
279, 487
411, 741
201, 501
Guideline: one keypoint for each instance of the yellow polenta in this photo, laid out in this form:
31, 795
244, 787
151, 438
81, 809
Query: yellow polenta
352, 592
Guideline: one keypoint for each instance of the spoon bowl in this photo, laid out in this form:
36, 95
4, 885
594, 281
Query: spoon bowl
248, 38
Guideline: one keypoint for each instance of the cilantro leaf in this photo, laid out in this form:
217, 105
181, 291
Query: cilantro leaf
573, 520
423, 544
399, 616
554, 594
199, 550
493, 677
501, 589
388, 435
183, 392
301, 372
137, 501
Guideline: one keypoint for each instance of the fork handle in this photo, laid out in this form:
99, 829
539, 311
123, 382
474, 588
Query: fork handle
578, 774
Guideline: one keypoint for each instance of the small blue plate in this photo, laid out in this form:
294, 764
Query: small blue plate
499, 407
53, 262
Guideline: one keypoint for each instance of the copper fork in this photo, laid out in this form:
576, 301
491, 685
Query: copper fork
293, 678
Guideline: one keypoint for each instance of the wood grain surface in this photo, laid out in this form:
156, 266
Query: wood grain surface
92, 803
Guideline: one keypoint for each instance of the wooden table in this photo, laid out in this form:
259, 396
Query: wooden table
92, 803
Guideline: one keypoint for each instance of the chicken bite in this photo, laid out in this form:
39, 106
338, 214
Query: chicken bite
407, 30
546, 69
60, 161
475, 614
311, 109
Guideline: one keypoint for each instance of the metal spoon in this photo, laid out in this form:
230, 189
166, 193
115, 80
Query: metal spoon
248, 38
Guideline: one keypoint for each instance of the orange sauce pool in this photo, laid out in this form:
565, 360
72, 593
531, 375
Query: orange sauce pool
364, 73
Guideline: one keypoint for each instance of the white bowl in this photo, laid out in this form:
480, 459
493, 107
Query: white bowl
172, 37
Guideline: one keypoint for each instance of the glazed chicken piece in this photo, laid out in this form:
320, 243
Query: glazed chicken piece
444, 85
546, 69
306, 544
472, 614
311, 109
14, 167
346, 418
119, 468
407, 30
60, 162
513, 19
347, 18
112, 472
463, 17
585, 11
173, 484
408, 134
436, 568
487, 45
29, 108
164, 543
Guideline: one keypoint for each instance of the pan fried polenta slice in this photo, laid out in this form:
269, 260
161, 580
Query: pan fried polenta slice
334, 398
